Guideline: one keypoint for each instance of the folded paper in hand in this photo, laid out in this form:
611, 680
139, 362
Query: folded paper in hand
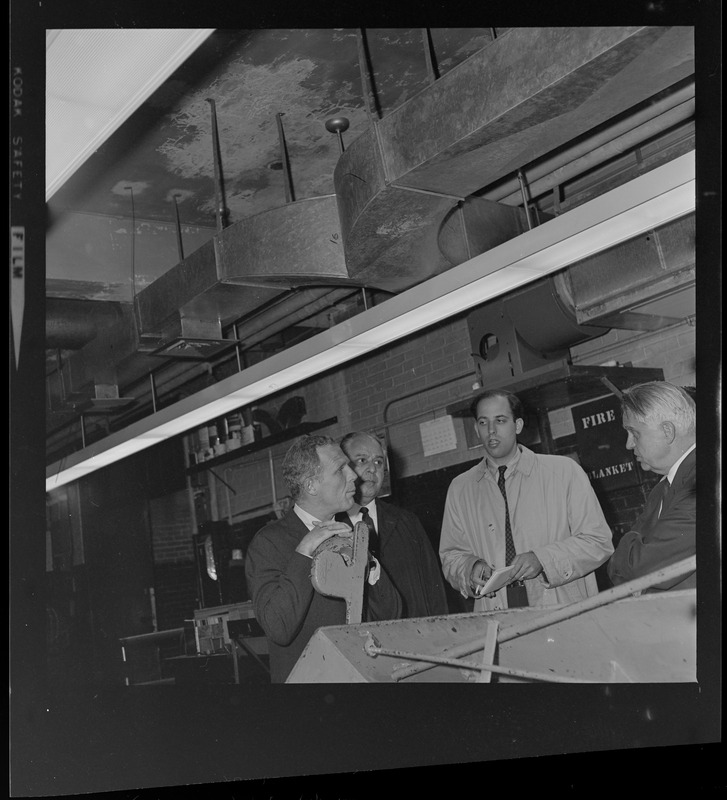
498, 579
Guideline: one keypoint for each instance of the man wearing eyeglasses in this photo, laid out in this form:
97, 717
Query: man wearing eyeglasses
397, 538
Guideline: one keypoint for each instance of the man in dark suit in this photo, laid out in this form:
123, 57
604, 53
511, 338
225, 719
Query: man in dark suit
397, 538
660, 420
278, 561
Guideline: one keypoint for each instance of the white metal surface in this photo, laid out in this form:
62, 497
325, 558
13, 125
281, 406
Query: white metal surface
646, 639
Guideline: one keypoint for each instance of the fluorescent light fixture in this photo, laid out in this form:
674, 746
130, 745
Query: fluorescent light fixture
651, 200
95, 79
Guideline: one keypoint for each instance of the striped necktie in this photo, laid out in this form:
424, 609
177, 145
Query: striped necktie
509, 544
517, 595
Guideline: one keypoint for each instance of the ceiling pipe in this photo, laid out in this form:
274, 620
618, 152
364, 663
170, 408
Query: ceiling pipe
292, 310
429, 56
525, 200
172, 379
293, 306
649, 121
615, 147
289, 191
178, 225
172, 371
290, 306
305, 312
368, 86
174, 376
71, 323
221, 215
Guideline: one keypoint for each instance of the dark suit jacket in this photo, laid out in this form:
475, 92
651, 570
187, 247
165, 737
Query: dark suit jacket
657, 541
408, 557
287, 606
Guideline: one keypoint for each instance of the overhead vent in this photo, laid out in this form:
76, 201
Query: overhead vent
195, 349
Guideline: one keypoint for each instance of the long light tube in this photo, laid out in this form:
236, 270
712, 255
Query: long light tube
647, 202
95, 79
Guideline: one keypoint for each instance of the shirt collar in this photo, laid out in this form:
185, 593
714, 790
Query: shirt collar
307, 519
524, 459
494, 469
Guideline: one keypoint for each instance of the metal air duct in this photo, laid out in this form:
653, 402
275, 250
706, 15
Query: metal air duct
70, 323
526, 330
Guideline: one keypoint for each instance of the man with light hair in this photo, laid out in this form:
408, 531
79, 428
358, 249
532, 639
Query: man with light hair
660, 420
279, 559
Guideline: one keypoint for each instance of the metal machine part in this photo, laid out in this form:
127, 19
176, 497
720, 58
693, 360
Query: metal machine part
339, 570
617, 636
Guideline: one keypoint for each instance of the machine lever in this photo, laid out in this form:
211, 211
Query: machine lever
339, 570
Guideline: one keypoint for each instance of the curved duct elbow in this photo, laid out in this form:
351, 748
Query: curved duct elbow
544, 316
476, 225
525, 330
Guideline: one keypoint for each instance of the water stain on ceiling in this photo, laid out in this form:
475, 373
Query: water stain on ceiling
308, 76
160, 162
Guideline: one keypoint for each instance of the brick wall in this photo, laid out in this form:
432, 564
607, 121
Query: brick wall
175, 590
408, 383
672, 349
175, 583
393, 389
172, 528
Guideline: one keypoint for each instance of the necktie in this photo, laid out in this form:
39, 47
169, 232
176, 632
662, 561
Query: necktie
661, 489
509, 545
516, 593
373, 536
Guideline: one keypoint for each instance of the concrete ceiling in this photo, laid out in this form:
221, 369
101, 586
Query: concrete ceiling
164, 151
440, 121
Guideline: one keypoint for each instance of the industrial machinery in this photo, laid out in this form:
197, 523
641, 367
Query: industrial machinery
617, 636
231, 630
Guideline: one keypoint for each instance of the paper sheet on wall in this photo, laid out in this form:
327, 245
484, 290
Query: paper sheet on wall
438, 435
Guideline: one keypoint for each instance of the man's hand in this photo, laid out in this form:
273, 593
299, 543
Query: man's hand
322, 531
481, 571
527, 565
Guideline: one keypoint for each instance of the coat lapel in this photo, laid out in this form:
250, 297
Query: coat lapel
684, 474
387, 521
